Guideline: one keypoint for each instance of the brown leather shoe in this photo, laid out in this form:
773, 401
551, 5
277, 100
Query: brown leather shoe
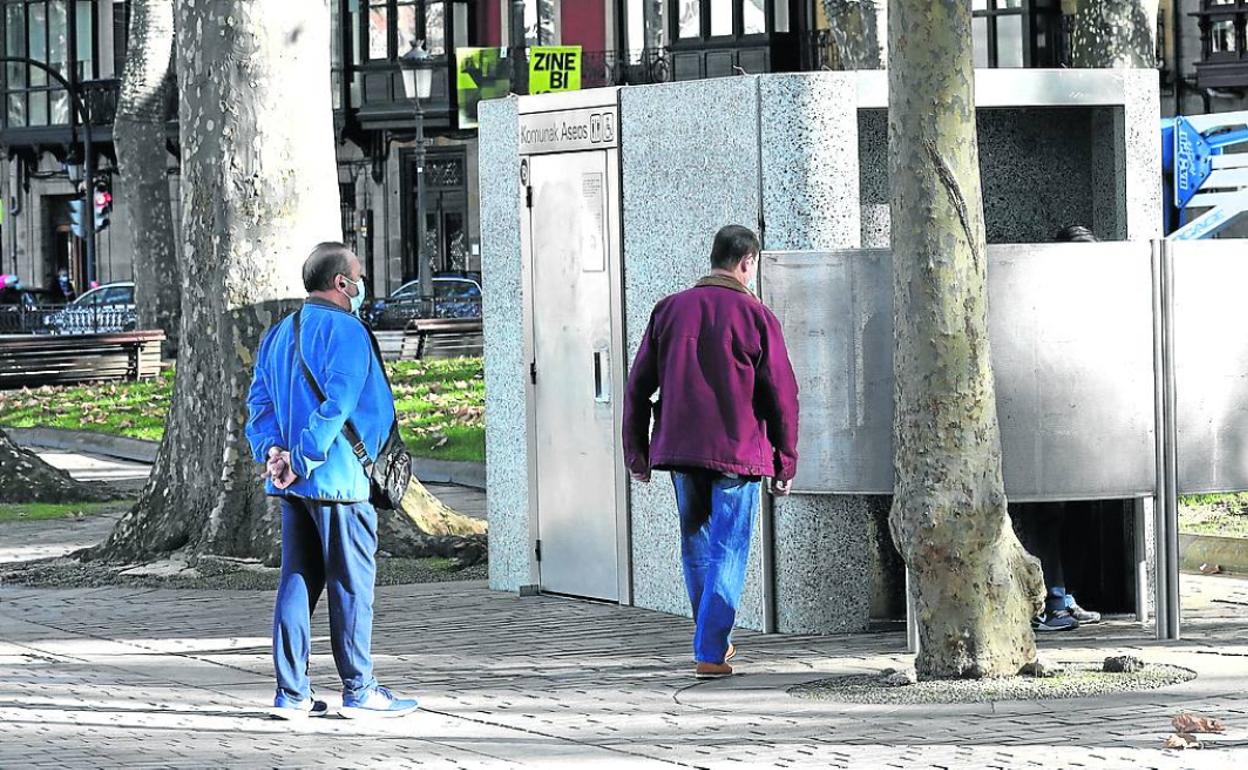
712, 671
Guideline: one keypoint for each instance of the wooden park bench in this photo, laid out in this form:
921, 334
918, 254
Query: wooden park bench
443, 338
31, 360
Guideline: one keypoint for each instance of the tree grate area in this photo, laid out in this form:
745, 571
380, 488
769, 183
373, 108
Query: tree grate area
1079, 680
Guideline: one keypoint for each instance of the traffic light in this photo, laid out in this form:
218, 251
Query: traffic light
103, 205
77, 218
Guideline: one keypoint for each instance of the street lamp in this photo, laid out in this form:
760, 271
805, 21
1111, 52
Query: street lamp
418, 84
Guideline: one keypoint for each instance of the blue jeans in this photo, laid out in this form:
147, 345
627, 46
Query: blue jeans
334, 546
716, 516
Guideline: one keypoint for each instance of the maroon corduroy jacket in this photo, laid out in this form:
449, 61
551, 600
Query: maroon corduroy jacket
727, 394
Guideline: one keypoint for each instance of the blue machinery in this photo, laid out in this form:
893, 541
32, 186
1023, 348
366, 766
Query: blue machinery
1205, 187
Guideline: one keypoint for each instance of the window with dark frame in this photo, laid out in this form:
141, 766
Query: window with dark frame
1222, 29
1016, 33
373, 36
39, 30
997, 30
714, 20
390, 28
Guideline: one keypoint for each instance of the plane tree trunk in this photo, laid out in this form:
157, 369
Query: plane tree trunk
1114, 33
975, 587
859, 33
139, 134
259, 190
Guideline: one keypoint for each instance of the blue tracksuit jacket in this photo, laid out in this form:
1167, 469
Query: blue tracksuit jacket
284, 412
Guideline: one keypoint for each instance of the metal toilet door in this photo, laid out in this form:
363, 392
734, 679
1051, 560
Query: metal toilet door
574, 407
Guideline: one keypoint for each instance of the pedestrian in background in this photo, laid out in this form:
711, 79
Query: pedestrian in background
726, 418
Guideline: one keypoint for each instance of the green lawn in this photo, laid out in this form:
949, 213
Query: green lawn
134, 409
1225, 515
38, 511
441, 407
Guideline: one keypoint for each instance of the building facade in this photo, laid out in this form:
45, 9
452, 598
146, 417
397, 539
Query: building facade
623, 42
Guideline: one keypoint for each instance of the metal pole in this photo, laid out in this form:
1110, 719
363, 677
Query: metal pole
88, 212
767, 552
1172, 454
1160, 596
422, 266
1177, 35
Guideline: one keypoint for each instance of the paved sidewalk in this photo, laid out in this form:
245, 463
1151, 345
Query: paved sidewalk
139, 678
86, 467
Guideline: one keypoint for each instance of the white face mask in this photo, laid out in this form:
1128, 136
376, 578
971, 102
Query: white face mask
358, 300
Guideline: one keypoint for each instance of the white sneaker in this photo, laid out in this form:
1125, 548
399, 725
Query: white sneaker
376, 703
305, 708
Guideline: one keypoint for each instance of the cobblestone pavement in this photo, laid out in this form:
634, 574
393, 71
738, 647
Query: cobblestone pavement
145, 678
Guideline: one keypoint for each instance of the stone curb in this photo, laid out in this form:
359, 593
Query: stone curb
1229, 553
141, 451
88, 442
447, 472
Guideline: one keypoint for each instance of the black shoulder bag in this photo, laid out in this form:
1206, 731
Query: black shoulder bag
391, 472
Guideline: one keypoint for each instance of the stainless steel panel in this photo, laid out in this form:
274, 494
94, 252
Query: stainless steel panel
1018, 88
837, 312
1071, 329
1210, 364
574, 421
1072, 348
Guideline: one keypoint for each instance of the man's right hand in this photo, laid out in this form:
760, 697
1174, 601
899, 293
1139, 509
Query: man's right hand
277, 468
642, 478
781, 488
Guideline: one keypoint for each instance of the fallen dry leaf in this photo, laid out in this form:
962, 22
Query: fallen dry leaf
1181, 741
1194, 723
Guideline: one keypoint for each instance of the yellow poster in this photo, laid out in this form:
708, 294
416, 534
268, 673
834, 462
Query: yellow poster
554, 68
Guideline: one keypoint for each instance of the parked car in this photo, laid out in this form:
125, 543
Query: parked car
452, 298
107, 308
19, 309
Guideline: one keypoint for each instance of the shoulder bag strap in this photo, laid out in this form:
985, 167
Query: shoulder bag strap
348, 430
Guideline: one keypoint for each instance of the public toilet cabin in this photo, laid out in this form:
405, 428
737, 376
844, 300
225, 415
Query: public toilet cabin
596, 204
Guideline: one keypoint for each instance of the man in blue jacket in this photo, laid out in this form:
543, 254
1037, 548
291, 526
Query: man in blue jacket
329, 529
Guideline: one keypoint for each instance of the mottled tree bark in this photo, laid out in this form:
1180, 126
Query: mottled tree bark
139, 135
975, 587
1115, 33
859, 29
259, 190
25, 478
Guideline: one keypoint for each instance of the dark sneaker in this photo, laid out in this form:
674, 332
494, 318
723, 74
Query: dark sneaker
284, 708
712, 670
1082, 615
1056, 620
375, 703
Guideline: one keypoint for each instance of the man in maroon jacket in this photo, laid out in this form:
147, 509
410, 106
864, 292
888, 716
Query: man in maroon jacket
726, 417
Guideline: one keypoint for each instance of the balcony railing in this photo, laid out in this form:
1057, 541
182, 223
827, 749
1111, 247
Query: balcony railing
101, 98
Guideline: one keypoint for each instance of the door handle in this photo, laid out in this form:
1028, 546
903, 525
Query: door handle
602, 377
